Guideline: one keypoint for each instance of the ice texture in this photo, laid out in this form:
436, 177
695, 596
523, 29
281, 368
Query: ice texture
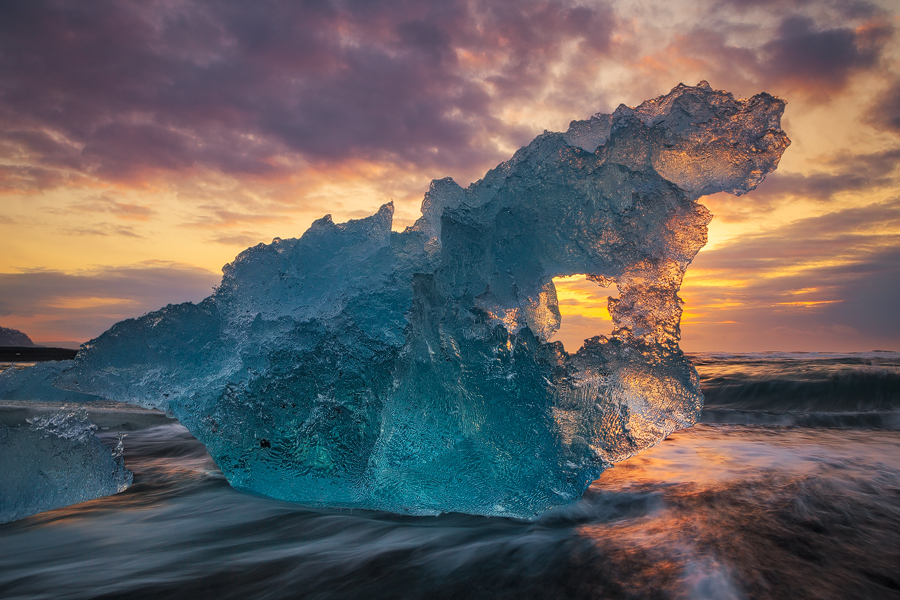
55, 461
413, 372
35, 383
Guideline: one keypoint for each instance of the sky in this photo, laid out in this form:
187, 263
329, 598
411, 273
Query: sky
143, 145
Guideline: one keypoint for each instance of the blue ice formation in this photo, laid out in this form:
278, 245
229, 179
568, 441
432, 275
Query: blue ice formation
412, 372
36, 383
56, 461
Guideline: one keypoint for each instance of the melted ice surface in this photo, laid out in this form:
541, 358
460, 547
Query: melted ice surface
411, 372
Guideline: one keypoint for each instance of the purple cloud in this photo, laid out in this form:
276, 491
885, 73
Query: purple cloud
841, 172
118, 89
125, 90
886, 111
813, 52
805, 55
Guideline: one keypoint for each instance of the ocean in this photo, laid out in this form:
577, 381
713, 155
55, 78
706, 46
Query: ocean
789, 487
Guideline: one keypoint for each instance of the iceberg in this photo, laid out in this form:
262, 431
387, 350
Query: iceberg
35, 383
56, 461
415, 371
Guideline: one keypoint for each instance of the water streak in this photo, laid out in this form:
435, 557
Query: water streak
712, 512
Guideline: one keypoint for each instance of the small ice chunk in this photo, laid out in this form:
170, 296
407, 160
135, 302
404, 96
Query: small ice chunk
56, 461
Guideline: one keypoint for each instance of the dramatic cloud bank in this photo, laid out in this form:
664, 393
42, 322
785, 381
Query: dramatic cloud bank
120, 90
184, 130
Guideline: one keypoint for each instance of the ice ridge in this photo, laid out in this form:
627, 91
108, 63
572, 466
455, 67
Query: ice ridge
412, 372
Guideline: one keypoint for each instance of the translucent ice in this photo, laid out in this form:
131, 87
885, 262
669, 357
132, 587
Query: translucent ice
53, 462
412, 372
36, 383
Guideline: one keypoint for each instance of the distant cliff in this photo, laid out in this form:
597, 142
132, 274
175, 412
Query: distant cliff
14, 337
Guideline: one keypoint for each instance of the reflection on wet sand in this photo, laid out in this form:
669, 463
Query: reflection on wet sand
759, 513
707, 454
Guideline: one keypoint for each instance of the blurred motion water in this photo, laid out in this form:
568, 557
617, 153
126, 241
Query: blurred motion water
715, 511
801, 388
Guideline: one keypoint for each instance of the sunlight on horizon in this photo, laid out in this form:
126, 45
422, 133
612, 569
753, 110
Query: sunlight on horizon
584, 310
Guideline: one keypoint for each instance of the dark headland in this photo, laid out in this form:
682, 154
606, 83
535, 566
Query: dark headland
34, 354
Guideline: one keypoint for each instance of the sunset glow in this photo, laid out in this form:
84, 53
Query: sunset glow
142, 147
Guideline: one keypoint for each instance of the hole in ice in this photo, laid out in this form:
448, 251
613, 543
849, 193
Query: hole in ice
584, 311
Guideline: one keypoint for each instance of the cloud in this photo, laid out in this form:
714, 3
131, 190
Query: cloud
122, 210
123, 90
849, 173
103, 229
806, 56
813, 50
244, 239
747, 5
886, 110
219, 217
83, 304
21, 178
836, 174
868, 291
841, 235
840, 270
241, 119
133, 92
